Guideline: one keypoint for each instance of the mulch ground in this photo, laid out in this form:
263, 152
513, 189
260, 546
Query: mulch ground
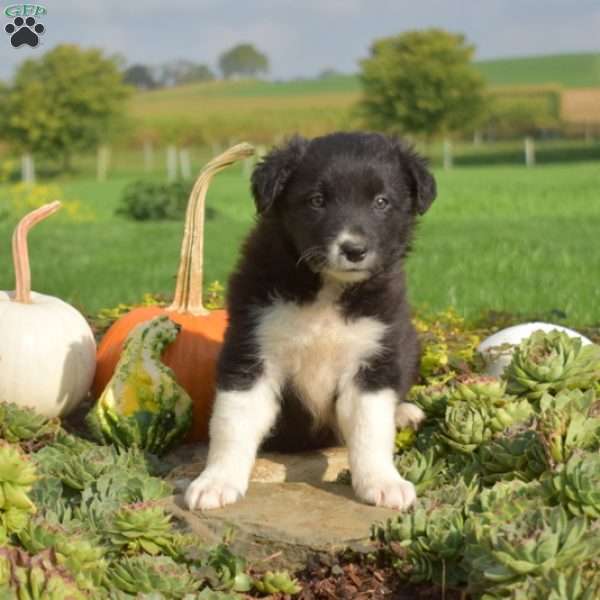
353, 578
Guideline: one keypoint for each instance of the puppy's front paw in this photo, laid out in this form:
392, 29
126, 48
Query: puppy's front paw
210, 491
408, 414
390, 492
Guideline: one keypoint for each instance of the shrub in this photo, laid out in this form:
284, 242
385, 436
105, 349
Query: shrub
150, 201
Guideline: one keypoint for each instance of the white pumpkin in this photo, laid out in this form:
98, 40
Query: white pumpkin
47, 348
497, 349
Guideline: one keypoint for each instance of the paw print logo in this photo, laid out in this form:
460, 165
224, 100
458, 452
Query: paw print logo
24, 31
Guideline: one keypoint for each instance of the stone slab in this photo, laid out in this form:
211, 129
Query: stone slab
293, 508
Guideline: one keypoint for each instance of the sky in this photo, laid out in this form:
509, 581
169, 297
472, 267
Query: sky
303, 37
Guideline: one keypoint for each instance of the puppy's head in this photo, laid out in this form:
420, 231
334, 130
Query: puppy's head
347, 201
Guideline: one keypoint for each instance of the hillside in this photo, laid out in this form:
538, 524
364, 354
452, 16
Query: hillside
570, 70
265, 110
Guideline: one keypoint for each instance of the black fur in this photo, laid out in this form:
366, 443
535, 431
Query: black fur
349, 170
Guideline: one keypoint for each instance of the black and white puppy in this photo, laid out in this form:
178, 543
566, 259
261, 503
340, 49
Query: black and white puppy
320, 344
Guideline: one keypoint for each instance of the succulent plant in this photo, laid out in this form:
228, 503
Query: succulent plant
143, 527
223, 570
550, 362
146, 574
420, 468
278, 582
432, 399
517, 454
535, 542
39, 577
577, 484
473, 388
25, 425
17, 476
82, 555
428, 541
567, 423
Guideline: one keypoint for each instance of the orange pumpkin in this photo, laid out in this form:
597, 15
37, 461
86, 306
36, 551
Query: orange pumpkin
193, 355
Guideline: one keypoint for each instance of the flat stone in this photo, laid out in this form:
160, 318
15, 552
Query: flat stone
187, 462
293, 509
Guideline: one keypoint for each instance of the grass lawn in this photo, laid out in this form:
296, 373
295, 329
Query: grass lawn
503, 238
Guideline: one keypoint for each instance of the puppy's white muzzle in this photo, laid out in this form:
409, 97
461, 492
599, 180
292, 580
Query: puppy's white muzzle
349, 258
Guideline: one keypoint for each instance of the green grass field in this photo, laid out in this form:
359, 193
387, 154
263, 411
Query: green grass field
498, 238
570, 70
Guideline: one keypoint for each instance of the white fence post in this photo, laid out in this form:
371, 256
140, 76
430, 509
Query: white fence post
27, 168
171, 163
529, 152
185, 164
103, 162
447, 154
148, 156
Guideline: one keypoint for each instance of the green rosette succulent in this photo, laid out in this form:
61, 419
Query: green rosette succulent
567, 423
577, 484
478, 409
420, 468
474, 388
17, 476
278, 582
223, 570
432, 399
146, 574
427, 542
25, 425
82, 555
535, 542
143, 528
550, 362
515, 455
465, 427
25, 577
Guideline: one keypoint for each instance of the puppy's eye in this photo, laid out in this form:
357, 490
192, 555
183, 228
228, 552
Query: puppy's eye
317, 201
381, 202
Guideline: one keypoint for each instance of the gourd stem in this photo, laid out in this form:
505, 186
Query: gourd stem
20, 251
188, 288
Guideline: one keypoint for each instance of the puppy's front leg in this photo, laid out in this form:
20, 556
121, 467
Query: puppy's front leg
239, 422
366, 420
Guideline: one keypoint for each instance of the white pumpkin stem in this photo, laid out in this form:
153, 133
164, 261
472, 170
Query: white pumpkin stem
20, 251
188, 289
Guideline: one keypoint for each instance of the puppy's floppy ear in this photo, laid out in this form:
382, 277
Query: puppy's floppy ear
425, 189
423, 185
273, 172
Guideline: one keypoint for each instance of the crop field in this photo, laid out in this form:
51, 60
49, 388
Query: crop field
569, 70
206, 113
502, 238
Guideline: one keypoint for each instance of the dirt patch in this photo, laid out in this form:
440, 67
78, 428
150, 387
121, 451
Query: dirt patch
581, 105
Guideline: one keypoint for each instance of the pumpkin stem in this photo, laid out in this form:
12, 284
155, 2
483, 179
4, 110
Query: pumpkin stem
188, 289
20, 251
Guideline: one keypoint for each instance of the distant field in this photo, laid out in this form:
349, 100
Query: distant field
216, 111
502, 238
570, 70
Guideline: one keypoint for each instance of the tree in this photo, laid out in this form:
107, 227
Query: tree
139, 76
243, 60
422, 82
68, 100
180, 72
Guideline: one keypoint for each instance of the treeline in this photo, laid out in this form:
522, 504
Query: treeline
243, 60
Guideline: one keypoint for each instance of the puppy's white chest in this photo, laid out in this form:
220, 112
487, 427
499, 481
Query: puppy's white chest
315, 348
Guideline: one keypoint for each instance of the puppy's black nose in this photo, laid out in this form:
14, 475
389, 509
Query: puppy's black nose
353, 251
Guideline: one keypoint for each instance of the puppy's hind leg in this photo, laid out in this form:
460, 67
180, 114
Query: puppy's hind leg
239, 422
366, 420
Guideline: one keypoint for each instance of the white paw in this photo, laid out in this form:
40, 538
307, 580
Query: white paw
212, 491
409, 414
390, 492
